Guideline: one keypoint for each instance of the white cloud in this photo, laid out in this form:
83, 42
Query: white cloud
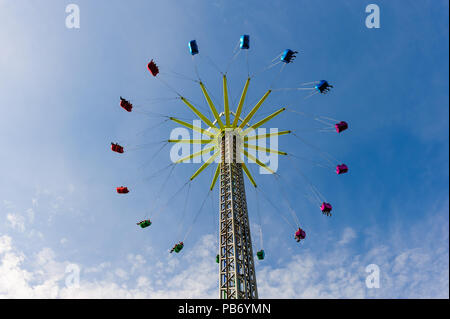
409, 268
406, 274
8, 204
136, 261
45, 279
30, 215
16, 221
347, 236
5, 244
98, 268
338, 273
122, 274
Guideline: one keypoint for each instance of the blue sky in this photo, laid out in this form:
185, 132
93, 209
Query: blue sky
59, 112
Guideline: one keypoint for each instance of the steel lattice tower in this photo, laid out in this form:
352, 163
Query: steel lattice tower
237, 279
230, 141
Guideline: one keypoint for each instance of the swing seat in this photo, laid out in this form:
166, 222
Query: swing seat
145, 223
153, 68
193, 48
116, 148
341, 169
178, 248
323, 86
122, 190
260, 254
341, 126
326, 207
245, 42
300, 233
126, 105
288, 55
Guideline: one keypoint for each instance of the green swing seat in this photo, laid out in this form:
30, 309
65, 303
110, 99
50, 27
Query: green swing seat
145, 223
178, 248
260, 254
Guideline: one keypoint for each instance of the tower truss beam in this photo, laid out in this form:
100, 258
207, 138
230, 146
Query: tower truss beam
237, 279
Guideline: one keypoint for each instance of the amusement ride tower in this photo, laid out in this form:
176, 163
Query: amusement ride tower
230, 139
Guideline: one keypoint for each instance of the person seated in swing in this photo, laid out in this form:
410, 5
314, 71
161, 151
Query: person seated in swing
177, 247
144, 223
300, 234
125, 104
288, 56
323, 87
326, 208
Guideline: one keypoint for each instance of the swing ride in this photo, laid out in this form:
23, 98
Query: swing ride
228, 141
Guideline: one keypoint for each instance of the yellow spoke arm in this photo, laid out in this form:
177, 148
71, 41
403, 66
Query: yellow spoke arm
255, 108
247, 172
216, 174
211, 105
198, 113
267, 150
264, 120
241, 103
258, 161
267, 135
192, 127
205, 165
225, 101
206, 150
